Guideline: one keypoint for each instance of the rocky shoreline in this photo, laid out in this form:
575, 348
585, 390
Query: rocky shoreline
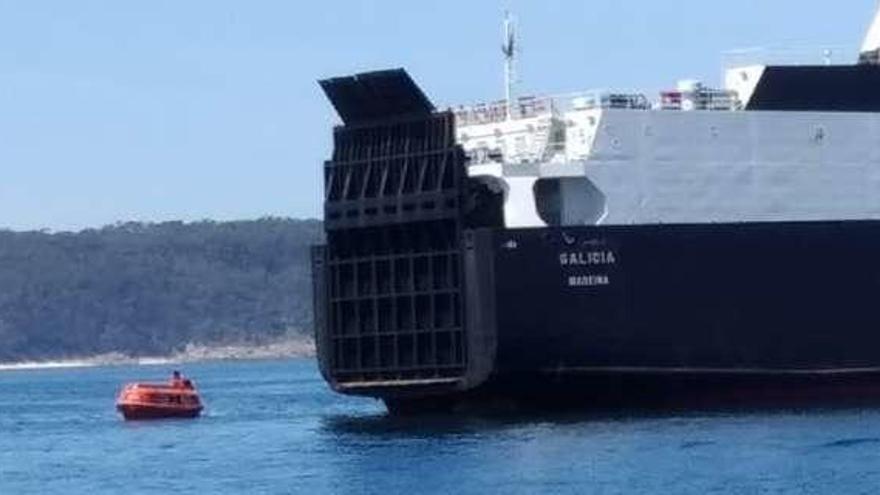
287, 349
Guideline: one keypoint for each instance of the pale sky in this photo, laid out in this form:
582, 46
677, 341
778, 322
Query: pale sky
209, 109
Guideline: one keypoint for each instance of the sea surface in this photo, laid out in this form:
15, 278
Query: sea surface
273, 427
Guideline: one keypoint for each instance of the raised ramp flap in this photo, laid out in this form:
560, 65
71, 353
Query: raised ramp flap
376, 96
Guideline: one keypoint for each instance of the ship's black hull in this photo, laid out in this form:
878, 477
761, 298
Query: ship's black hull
668, 315
677, 316
613, 391
772, 297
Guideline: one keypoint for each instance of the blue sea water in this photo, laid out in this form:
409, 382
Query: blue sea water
273, 427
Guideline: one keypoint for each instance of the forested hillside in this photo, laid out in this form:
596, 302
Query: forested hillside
151, 289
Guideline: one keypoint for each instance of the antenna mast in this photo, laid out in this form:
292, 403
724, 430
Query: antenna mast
509, 50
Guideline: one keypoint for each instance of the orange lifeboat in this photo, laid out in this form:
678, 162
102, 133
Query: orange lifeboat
176, 399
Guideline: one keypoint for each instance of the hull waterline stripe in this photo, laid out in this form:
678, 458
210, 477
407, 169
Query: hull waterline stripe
707, 371
397, 383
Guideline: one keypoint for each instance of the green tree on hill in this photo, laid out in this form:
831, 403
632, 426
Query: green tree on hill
147, 289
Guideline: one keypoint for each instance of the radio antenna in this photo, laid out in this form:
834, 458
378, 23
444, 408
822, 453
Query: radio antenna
509, 49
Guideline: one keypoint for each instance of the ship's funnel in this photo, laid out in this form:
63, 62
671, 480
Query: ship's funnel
871, 46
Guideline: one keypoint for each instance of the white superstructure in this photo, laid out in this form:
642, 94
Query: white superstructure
871, 44
692, 154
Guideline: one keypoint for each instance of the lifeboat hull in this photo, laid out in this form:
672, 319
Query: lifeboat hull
150, 401
143, 412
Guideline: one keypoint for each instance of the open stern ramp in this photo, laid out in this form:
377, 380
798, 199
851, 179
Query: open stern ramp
389, 283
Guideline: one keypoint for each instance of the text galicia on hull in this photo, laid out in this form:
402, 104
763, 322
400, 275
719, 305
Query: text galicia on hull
587, 258
604, 246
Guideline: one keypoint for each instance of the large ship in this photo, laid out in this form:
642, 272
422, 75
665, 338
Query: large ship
605, 247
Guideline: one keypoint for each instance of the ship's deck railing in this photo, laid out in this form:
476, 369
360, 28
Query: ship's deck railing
488, 113
701, 99
698, 97
588, 100
799, 55
695, 97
